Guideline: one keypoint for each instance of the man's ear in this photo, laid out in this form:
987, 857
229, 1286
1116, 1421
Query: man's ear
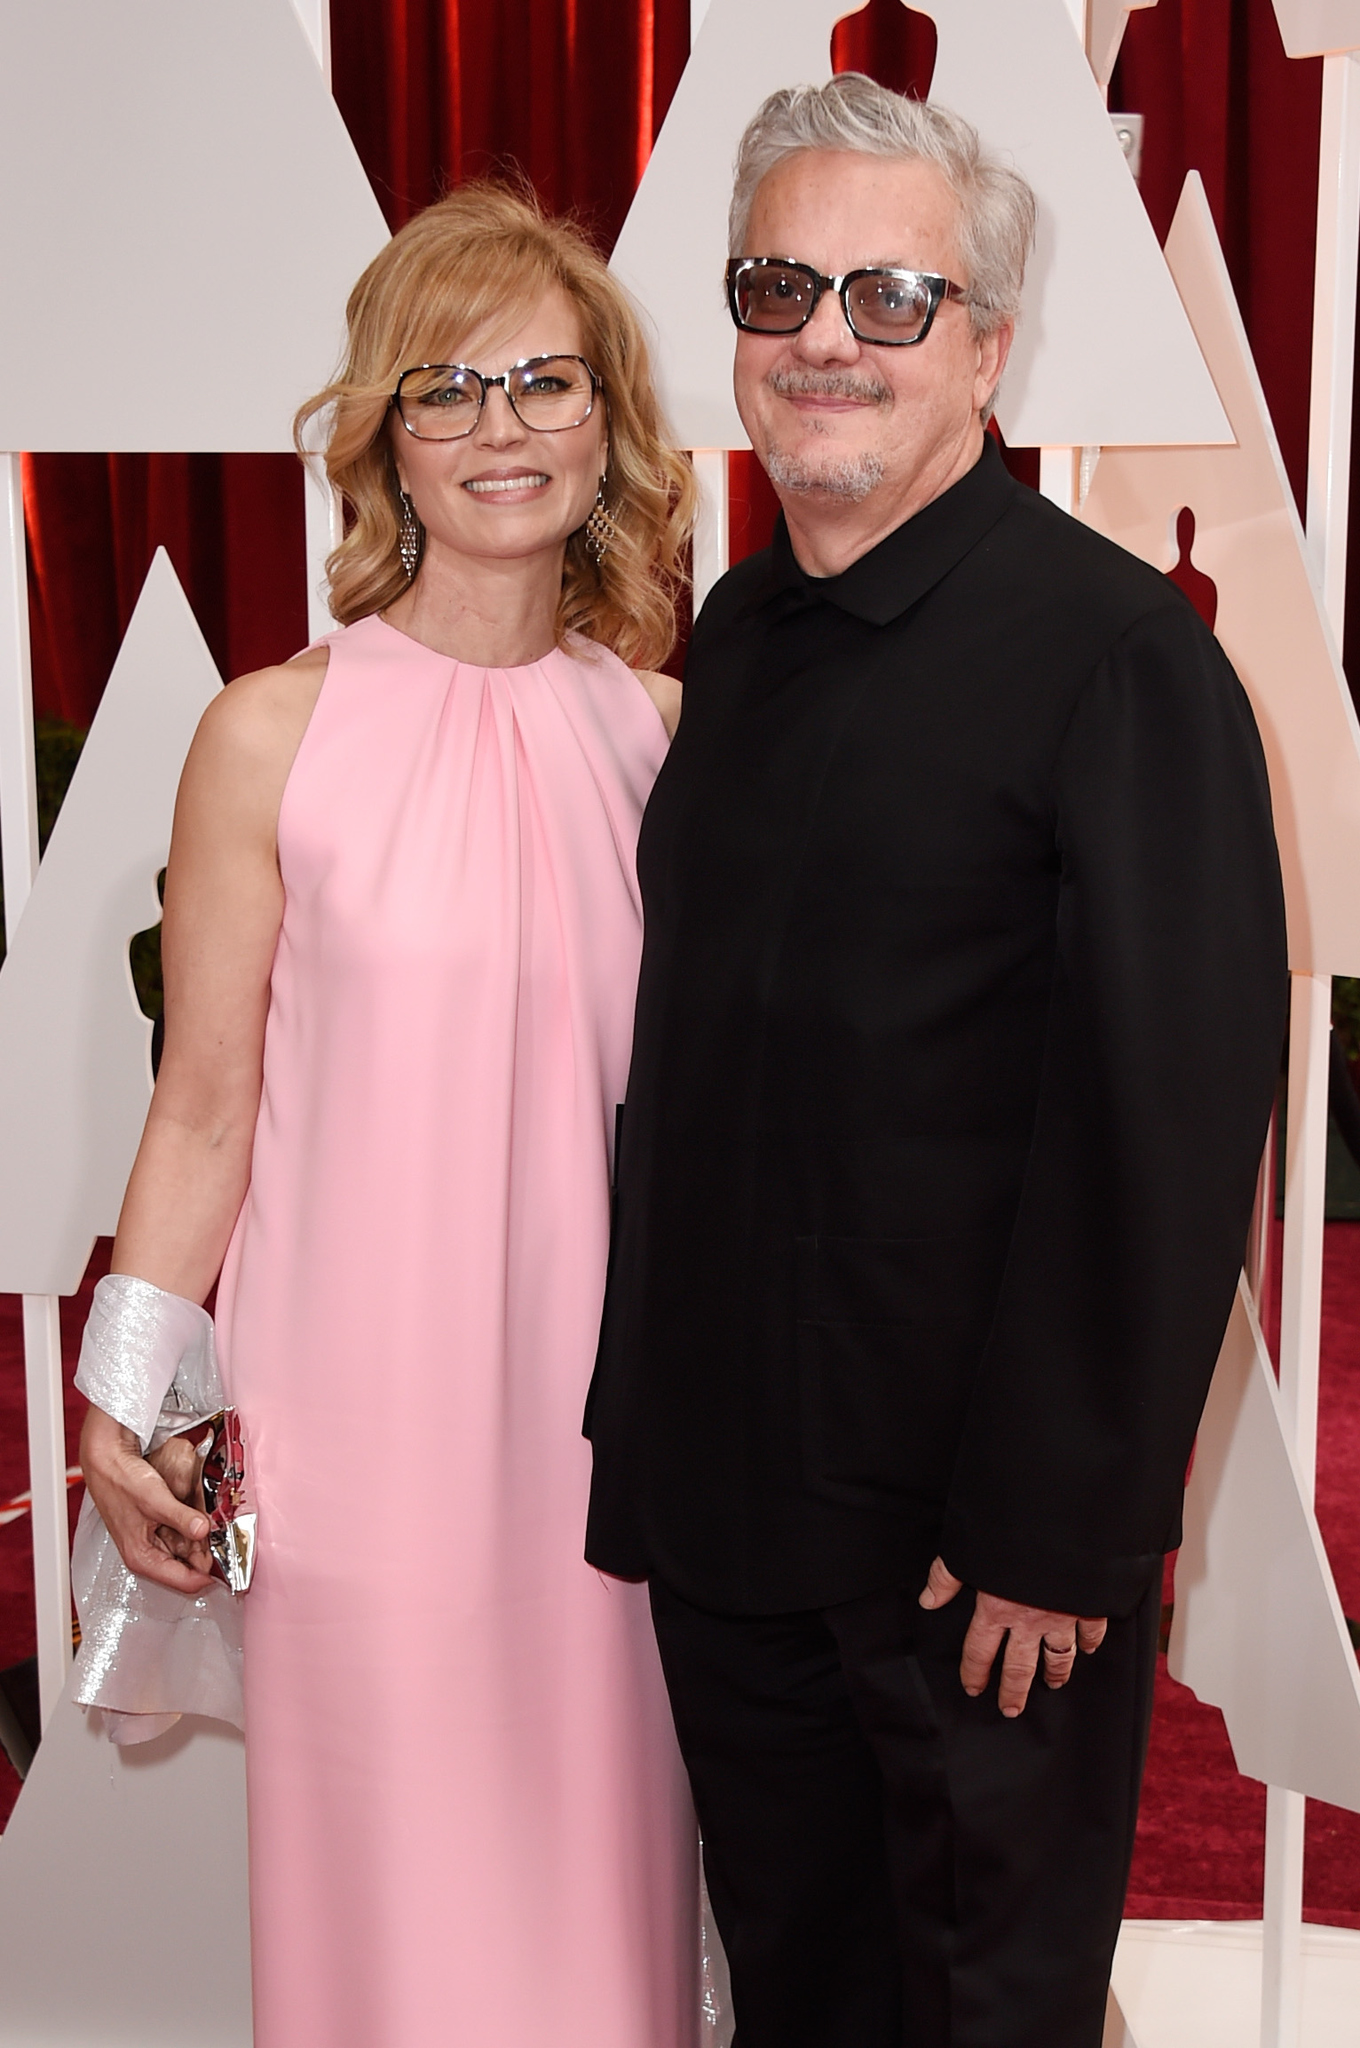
993, 350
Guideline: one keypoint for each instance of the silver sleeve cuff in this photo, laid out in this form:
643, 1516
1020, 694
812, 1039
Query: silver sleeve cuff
140, 1342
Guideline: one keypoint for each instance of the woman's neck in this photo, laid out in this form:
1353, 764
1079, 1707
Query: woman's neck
494, 614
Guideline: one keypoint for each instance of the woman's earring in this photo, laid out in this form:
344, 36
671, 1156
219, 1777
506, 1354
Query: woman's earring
408, 537
601, 531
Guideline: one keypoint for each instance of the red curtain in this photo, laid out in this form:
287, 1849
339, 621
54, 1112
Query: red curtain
232, 525
572, 92
1218, 94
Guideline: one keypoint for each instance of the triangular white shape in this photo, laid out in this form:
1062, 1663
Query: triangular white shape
1318, 28
75, 1049
1106, 21
182, 216
123, 1915
1104, 353
1258, 1628
1270, 621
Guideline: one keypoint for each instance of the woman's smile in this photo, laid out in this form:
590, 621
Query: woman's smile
513, 484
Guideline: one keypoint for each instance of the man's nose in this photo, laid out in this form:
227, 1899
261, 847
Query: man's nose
827, 337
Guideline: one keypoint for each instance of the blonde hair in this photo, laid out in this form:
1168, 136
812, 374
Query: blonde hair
488, 252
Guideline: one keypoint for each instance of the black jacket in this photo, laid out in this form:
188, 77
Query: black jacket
962, 997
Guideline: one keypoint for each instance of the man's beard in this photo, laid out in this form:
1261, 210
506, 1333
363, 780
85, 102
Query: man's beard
848, 477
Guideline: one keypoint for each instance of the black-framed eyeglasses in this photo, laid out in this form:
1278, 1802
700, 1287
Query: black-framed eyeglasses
894, 308
443, 401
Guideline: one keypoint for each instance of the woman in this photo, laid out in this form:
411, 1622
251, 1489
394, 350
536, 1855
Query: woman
401, 938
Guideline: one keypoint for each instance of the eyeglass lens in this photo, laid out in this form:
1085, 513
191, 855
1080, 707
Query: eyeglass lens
779, 298
444, 401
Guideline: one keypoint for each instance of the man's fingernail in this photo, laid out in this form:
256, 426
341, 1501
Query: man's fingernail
198, 1528
1011, 1713
927, 1598
973, 1691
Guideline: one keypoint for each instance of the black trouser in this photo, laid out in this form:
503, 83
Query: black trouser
891, 1863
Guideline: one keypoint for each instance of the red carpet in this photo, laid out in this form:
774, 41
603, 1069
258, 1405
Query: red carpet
1201, 1832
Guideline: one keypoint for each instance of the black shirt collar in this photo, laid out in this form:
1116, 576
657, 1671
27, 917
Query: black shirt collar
913, 558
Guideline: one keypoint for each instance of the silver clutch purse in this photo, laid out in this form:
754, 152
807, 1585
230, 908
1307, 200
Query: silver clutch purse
226, 1499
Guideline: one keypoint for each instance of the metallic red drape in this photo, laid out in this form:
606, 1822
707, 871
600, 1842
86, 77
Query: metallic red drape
573, 91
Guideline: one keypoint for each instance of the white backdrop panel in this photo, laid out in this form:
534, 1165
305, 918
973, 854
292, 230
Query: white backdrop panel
123, 1912
75, 1065
1316, 28
1106, 21
182, 215
1270, 619
1258, 1628
1104, 353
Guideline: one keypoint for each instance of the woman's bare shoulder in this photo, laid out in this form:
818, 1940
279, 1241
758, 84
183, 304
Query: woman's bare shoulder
664, 692
248, 737
258, 720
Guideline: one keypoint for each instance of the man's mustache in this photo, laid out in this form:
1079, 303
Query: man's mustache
828, 384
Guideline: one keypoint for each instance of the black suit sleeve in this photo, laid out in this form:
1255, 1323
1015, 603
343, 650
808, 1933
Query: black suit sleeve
1160, 1062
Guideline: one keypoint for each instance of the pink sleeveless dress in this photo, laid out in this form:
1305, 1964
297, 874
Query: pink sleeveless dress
468, 1820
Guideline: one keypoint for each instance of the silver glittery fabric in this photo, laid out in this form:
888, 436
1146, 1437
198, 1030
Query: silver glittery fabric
147, 1654
143, 1347
715, 1989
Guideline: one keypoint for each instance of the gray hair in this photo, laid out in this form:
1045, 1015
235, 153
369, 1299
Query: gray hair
851, 112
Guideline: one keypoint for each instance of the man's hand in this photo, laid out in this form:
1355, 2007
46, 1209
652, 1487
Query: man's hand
1028, 1633
158, 1536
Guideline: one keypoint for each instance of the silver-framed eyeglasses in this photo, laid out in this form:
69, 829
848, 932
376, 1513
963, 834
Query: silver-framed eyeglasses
443, 401
890, 307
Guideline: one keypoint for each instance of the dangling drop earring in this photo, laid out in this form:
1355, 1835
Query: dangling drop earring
601, 531
408, 537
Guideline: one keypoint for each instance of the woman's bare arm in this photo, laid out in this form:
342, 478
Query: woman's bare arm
223, 907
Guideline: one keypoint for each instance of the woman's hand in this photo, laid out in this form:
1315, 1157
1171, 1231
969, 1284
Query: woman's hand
159, 1536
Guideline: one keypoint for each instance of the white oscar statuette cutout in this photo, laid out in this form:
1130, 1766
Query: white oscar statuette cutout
1270, 619
1258, 1628
75, 1071
1278, 632
177, 277
1106, 21
1329, 29
1318, 28
75, 1049
123, 1920
184, 256
102, 1845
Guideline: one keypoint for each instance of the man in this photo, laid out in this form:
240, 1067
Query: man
960, 1014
